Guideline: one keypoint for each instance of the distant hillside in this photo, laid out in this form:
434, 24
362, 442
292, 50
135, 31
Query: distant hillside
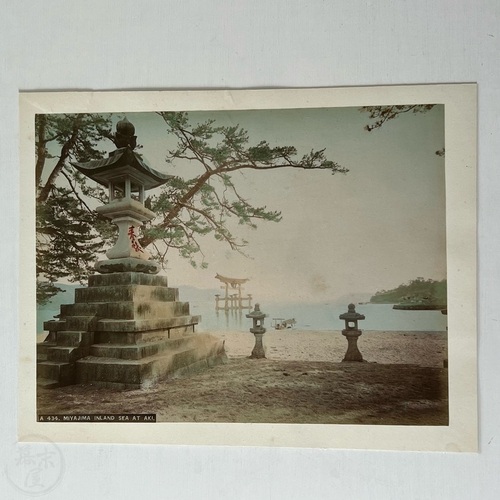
67, 296
420, 290
355, 298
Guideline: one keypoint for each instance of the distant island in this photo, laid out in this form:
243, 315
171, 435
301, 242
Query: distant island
417, 294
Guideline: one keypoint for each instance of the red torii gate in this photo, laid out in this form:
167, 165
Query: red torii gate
232, 301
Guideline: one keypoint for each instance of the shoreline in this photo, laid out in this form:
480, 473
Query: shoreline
428, 349
421, 348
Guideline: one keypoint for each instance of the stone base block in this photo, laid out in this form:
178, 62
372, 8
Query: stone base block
126, 329
112, 366
56, 372
129, 278
124, 337
124, 293
127, 264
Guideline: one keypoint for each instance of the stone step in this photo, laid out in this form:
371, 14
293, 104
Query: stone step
103, 371
42, 349
126, 293
204, 351
41, 357
54, 325
80, 323
141, 325
63, 373
64, 354
74, 338
144, 310
137, 351
133, 338
127, 278
47, 383
125, 310
82, 309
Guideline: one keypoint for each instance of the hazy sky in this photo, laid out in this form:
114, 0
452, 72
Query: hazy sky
374, 228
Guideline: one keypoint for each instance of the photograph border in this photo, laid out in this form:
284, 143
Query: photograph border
460, 101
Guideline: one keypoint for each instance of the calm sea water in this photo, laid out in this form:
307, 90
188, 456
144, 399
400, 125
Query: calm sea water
308, 317
322, 317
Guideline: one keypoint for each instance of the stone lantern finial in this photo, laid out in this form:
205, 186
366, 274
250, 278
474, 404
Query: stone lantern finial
124, 135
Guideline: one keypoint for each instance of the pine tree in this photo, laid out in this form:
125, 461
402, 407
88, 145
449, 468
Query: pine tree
70, 233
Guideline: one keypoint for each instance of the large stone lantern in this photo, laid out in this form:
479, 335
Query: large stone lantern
351, 332
128, 328
127, 176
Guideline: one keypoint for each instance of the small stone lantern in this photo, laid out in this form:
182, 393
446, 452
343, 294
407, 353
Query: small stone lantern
351, 332
258, 330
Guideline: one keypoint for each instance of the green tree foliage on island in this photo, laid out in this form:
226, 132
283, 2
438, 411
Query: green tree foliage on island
70, 233
419, 290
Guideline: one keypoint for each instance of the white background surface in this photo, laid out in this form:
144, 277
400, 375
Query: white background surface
56, 45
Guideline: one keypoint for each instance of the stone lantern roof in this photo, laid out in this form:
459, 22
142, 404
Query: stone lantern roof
123, 166
351, 317
256, 313
121, 163
351, 314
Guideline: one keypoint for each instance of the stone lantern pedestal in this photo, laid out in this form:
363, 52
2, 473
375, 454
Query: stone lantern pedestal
127, 253
353, 353
258, 350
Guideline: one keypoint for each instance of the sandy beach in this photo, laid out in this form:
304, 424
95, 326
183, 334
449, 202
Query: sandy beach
385, 347
302, 380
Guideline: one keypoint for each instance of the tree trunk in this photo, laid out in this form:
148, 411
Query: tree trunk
65, 151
